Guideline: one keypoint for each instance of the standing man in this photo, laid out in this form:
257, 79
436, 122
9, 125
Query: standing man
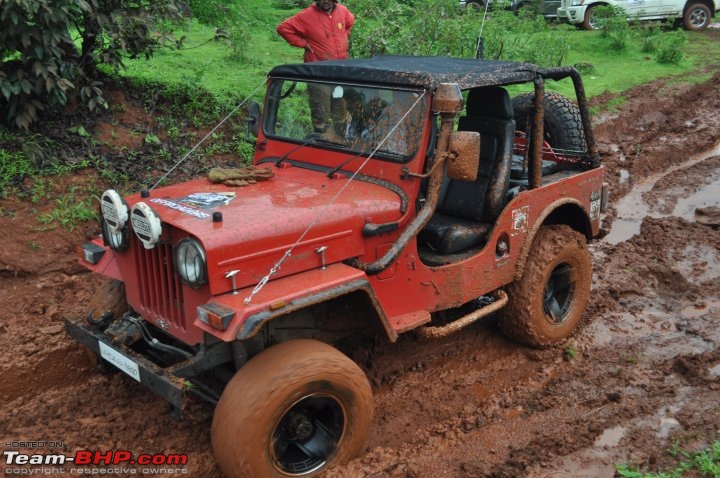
323, 30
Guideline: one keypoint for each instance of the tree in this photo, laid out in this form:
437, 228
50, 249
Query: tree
50, 50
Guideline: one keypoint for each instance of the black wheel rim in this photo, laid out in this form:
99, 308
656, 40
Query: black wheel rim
559, 293
307, 435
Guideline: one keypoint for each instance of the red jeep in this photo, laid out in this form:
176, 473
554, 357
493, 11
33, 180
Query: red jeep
389, 196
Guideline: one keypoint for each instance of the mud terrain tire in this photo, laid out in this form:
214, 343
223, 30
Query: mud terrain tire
298, 395
548, 301
697, 17
563, 124
475, 4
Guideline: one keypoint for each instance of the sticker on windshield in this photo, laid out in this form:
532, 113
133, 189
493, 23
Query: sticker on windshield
208, 200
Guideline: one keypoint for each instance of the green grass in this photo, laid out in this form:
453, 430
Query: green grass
209, 66
71, 209
692, 79
616, 72
14, 166
704, 463
19, 157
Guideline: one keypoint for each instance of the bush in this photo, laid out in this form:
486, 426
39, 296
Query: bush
649, 38
41, 65
442, 27
530, 39
382, 24
289, 4
615, 27
210, 12
671, 47
233, 22
585, 67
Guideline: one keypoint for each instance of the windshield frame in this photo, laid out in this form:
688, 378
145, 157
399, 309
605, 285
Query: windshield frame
270, 115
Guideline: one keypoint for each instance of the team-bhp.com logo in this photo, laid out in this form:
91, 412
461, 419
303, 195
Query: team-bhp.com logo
84, 461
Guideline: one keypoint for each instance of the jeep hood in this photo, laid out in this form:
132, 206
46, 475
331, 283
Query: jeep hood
260, 222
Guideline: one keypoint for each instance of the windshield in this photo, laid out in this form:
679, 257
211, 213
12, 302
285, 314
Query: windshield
356, 118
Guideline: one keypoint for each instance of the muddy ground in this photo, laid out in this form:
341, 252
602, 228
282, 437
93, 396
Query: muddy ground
641, 374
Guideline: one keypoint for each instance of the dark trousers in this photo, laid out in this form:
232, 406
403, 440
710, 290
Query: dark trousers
323, 108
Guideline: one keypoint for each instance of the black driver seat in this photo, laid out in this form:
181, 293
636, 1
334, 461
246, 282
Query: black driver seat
467, 210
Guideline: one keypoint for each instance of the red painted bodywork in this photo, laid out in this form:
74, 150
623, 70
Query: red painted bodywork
264, 220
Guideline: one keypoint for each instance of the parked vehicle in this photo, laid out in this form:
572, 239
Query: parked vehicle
240, 295
546, 8
477, 4
695, 14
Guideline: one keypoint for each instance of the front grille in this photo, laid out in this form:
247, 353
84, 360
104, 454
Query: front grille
161, 294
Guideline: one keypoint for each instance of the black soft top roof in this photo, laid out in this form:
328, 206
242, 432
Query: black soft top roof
415, 71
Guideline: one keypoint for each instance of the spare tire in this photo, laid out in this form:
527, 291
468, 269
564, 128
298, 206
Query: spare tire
562, 126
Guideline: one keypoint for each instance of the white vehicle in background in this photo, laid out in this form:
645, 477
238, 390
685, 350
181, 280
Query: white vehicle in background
695, 14
477, 4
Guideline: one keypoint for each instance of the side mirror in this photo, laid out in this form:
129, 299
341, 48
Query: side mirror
253, 120
466, 148
448, 99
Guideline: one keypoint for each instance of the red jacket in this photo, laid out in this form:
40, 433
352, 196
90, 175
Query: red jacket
326, 33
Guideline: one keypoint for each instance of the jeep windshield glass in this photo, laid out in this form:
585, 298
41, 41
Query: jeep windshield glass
350, 117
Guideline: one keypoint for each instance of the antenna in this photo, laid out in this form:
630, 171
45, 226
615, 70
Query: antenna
480, 47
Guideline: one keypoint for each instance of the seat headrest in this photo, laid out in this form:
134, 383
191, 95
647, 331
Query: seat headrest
490, 102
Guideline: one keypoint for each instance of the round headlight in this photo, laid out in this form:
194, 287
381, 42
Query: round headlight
190, 262
117, 240
146, 224
114, 210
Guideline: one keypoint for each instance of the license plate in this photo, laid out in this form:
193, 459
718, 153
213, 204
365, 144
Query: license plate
120, 361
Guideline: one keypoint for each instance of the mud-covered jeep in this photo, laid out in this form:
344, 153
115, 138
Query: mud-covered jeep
382, 192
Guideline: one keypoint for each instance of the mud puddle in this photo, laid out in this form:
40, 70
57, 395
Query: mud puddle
632, 208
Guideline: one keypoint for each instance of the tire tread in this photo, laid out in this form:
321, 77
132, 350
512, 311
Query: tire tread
517, 320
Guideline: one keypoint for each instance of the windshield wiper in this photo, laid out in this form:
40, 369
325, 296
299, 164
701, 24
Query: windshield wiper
362, 153
301, 145
344, 163
314, 138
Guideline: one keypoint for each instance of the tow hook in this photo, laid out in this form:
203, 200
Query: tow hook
102, 321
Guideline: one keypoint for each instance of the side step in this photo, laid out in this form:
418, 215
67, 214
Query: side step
437, 332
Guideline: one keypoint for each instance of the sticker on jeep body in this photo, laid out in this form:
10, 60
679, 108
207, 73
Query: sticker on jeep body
595, 200
520, 218
181, 207
207, 200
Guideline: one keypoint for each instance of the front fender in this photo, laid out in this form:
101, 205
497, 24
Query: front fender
107, 265
288, 294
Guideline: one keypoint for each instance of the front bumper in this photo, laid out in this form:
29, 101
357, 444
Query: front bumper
571, 14
172, 383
